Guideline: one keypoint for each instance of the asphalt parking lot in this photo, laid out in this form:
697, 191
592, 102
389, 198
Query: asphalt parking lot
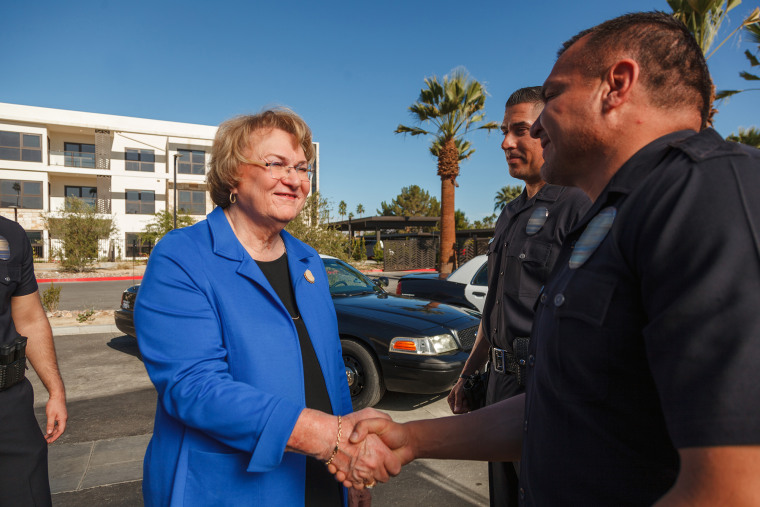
111, 402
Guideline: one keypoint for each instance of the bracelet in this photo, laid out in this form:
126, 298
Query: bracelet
335, 451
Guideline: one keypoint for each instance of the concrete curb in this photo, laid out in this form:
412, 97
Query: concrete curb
96, 329
92, 279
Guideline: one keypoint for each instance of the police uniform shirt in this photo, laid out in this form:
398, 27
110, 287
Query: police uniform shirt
526, 243
16, 274
647, 337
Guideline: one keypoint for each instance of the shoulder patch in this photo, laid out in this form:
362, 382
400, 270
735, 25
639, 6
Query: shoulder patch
5, 249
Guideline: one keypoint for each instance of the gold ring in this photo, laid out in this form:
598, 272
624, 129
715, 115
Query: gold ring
370, 485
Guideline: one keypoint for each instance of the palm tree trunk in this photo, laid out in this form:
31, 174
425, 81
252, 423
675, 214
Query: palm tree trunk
448, 170
448, 229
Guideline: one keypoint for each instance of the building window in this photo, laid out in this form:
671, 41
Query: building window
134, 246
141, 202
192, 202
79, 155
140, 160
24, 194
191, 162
20, 146
35, 238
88, 194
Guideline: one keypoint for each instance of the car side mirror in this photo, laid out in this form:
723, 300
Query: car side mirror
381, 281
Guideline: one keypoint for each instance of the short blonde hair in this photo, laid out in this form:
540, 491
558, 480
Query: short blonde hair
232, 141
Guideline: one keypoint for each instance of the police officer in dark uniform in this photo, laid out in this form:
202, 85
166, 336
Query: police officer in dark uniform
642, 382
526, 243
24, 333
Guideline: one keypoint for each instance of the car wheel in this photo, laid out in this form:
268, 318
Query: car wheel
364, 380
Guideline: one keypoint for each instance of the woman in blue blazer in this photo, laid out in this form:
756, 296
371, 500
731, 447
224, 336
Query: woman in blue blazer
238, 333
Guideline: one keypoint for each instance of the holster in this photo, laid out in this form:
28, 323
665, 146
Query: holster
12, 363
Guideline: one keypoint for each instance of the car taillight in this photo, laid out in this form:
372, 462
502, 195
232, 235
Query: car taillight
398, 288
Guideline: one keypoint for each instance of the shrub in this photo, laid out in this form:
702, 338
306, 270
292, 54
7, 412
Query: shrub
51, 297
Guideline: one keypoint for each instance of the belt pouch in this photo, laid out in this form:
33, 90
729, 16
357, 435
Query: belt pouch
12, 363
520, 349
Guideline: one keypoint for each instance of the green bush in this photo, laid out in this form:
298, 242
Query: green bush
51, 297
310, 226
79, 227
378, 252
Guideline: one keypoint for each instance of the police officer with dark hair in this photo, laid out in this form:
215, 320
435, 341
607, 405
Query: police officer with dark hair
24, 333
526, 243
642, 384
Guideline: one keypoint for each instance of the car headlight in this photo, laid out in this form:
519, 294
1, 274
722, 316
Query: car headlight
426, 345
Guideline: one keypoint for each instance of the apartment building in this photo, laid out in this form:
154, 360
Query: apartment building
127, 168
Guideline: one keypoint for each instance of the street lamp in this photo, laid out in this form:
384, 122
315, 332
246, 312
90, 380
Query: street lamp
17, 188
176, 156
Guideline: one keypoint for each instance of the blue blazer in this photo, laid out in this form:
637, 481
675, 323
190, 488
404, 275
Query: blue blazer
224, 355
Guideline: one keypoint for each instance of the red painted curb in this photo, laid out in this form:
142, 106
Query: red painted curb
94, 279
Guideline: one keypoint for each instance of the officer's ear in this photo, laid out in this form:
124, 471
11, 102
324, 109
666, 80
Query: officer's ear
619, 82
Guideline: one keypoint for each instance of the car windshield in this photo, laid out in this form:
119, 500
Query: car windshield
347, 281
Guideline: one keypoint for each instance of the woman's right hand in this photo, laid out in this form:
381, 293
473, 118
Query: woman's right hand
360, 463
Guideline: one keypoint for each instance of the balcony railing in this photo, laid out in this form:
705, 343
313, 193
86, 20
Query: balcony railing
72, 159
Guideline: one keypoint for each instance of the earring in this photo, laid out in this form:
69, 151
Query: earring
233, 198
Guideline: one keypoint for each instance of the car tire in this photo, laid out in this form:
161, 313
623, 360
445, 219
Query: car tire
364, 379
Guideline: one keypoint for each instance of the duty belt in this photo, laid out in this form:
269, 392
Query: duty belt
12, 363
511, 362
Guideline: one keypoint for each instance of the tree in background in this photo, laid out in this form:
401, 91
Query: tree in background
411, 202
79, 227
163, 222
704, 18
454, 108
506, 194
750, 137
460, 220
488, 222
342, 208
359, 249
359, 209
311, 227
754, 34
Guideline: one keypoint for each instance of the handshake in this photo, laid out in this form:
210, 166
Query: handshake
370, 448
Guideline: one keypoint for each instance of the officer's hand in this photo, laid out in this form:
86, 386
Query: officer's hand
56, 418
457, 400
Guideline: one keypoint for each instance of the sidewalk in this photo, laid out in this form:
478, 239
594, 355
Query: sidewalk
111, 404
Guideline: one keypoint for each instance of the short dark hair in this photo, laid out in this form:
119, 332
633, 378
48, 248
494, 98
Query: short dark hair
673, 67
529, 95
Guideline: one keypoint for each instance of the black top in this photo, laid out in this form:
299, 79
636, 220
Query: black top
16, 274
647, 337
321, 487
526, 243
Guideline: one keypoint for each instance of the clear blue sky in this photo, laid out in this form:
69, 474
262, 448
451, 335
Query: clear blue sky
350, 68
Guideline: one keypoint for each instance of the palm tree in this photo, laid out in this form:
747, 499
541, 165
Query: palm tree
754, 34
704, 19
750, 137
454, 108
359, 209
504, 195
342, 209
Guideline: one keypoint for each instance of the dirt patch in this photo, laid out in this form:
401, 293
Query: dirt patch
63, 318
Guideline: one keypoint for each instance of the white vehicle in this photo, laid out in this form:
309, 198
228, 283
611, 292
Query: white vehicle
467, 286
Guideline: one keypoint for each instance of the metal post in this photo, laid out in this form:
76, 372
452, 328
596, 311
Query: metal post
176, 156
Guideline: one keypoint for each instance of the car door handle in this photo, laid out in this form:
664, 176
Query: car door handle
479, 294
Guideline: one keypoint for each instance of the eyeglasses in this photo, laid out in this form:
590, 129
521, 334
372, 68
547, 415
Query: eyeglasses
278, 170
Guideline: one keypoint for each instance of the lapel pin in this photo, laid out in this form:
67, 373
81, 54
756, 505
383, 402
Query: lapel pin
309, 276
